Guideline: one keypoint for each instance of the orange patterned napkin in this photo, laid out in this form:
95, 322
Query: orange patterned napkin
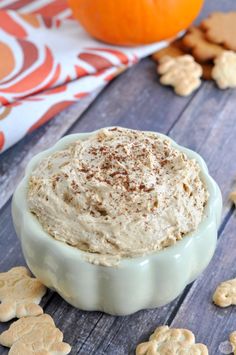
47, 62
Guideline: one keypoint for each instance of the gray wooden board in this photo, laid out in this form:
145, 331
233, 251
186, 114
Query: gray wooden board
134, 100
205, 122
210, 121
212, 325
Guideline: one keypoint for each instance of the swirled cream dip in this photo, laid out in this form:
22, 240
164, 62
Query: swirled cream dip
119, 193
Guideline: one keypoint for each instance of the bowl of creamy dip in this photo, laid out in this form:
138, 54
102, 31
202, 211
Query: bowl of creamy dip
117, 220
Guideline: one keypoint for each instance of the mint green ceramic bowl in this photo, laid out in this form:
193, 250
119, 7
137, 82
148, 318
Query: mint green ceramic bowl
137, 283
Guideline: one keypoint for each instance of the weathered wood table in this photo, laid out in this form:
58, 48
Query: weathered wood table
205, 122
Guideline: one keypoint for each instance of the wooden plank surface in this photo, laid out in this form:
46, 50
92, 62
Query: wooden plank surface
210, 121
205, 122
211, 324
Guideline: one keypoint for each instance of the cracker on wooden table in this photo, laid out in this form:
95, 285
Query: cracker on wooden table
225, 294
220, 28
167, 340
20, 294
183, 73
34, 335
224, 70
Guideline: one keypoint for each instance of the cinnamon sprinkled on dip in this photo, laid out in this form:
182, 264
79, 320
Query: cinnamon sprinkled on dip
119, 193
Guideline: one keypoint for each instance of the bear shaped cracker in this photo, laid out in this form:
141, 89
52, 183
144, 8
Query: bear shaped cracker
225, 294
201, 49
220, 28
171, 341
34, 335
183, 73
20, 294
224, 71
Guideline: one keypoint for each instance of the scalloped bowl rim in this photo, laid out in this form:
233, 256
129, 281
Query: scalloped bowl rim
209, 213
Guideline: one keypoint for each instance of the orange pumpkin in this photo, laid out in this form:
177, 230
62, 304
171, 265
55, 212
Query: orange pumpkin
133, 22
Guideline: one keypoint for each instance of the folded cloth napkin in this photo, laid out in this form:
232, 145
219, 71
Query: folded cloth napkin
47, 62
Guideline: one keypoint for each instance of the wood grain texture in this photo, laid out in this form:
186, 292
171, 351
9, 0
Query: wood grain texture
135, 100
211, 123
99, 333
215, 6
211, 324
